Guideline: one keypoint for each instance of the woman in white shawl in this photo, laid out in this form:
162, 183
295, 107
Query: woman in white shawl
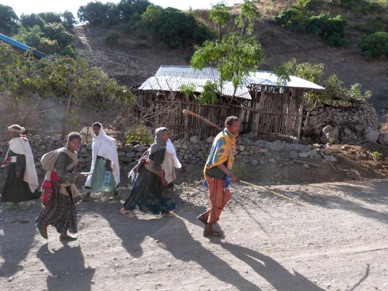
105, 171
150, 191
22, 181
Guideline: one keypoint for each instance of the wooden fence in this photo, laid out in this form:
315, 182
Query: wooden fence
272, 112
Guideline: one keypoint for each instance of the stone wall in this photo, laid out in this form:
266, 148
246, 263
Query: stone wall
356, 124
192, 153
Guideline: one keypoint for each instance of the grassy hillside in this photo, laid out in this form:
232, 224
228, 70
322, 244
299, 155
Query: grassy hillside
134, 59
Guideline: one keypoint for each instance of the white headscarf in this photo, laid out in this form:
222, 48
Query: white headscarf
104, 146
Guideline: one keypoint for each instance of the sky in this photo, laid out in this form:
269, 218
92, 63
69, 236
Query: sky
29, 6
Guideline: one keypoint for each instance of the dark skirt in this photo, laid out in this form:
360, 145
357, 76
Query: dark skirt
60, 213
15, 189
149, 195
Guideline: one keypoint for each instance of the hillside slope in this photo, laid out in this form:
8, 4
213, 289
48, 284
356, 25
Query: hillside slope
133, 59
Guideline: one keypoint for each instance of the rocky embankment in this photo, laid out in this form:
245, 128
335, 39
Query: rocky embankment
193, 153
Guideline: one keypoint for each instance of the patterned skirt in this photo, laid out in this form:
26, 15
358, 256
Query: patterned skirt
60, 213
148, 194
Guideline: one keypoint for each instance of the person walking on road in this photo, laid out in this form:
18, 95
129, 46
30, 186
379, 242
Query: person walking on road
218, 174
21, 179
105, 171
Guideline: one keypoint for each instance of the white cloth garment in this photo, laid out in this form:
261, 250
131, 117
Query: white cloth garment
21, 146
104, 146
170, 162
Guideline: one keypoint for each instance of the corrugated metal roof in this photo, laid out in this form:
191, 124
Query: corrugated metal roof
270, 79
22, 46
170, 78
169, 83
188, 72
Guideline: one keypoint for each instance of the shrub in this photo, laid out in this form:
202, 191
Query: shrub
330, 30
375, 155
373, 24
289, 17
139, 134
374, 45
173, 27
209, 94
68, 51
56, 31
112, 38
299, 18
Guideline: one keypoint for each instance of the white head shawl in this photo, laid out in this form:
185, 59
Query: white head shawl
104, 146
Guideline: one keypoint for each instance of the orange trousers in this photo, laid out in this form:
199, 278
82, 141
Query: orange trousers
218, 199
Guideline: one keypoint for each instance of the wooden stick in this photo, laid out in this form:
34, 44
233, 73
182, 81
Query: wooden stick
185, 111
307, 163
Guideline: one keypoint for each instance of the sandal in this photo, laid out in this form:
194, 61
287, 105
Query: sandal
202, 219
126, 212
213, 233
115, 197
167, 214
67, 237
43, 231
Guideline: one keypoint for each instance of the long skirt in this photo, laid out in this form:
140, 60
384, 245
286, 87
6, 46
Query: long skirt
60, 213
149, 195
99, 183
15, 189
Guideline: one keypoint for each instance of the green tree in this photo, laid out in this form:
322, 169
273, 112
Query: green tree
8, 20
30, 20
68, 19
236, 55
34, 37
51, 17
307, 71
56, 31
173, 27
245, 21
72, 81
128, 8
220, 15
95, 12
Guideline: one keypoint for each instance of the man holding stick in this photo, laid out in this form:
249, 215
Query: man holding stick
218, 173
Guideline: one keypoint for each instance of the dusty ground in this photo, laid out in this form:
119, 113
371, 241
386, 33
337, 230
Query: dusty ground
278, 236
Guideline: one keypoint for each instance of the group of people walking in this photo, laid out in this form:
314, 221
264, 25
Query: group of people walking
152, 177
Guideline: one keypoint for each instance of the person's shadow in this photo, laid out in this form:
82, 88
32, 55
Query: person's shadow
66, 267
16, 241
171, 234
269, 269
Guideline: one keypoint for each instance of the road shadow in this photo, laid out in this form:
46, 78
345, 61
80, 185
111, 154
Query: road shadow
356, 197
172, 235
66, 267
269, 269
16, 241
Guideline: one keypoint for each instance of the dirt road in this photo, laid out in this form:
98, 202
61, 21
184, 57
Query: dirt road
337, 241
